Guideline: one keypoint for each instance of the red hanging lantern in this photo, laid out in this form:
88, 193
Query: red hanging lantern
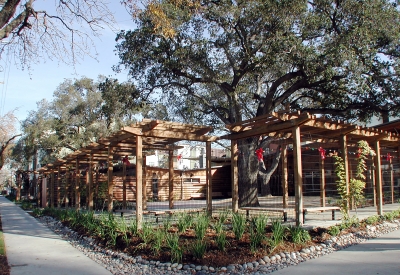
388, 157
179, 157
322, 152
126, 160
259, 153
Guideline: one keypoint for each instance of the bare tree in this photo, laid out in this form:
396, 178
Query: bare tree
7, 135
32, 30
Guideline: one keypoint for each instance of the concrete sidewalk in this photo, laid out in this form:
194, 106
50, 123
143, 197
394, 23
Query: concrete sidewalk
377, 256
33, 249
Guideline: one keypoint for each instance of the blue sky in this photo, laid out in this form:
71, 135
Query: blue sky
22, 89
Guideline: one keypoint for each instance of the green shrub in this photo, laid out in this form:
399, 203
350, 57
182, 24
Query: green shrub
278, 233
299, 235
173, 244
158, 239
221, 241
201, 225
372, 219
238, 225
199, 248
334, 230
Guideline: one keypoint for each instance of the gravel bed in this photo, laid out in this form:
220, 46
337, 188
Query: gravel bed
121, 264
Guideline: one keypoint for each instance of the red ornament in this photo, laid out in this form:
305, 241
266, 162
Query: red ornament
388, 157
126, 161
259, 153
359, 151
322, 152
179, 157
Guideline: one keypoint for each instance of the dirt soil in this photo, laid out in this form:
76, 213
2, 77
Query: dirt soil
4, 267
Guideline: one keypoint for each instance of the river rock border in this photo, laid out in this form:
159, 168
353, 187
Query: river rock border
121, 263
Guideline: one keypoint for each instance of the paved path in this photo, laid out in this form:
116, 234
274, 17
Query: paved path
377, 256
33, 249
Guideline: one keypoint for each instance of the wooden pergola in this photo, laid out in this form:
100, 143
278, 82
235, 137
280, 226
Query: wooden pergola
130, 140
291, 128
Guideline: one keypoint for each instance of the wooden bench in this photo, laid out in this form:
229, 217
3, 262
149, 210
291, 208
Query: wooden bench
122, 211
157, 214
187, 210
268, 209
202, 195
320, 209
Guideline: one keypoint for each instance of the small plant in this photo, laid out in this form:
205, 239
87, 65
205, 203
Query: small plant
259, 223
133, 227
299, 235
256, 238
372, 219
124, 230
184, 222
173, 244
201, 225
238, 225
199, 248
221, 241
350, 222
158, 240
37, 212
146, 234
334, 230
167, 224
278, 233
390, 216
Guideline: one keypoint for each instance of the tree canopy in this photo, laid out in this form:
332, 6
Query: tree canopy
77, 116
31, 30
232, 60
240, 59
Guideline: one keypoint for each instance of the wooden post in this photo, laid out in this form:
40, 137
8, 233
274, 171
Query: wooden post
77, 185
373, 170
171, 179
44, 191
391, 179
234, 176
67, 187
378, 178
19, 180
322, 182
343, 147
298, 177
110, 196
59, 187
123, 185
52, 189
208, 178
139, 190
285, 172
90, 183
144, 184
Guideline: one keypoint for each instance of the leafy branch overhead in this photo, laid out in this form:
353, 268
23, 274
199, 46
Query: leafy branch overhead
31, 30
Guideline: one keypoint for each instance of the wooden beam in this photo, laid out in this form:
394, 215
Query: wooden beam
391, 171
52, 189
171, 179
285, 172
90, 184
234, 176
139, 190
343, 148
77, 186
378, 178
322, 182
208, 178
110, 179
298, 178
144, 184
265, 129
59, 187
123, 185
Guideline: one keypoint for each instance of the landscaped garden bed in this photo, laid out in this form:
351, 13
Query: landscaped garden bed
218, 242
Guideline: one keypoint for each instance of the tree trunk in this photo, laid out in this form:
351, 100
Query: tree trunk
248, 167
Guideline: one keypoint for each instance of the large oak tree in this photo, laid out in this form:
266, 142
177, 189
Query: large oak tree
228, 61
